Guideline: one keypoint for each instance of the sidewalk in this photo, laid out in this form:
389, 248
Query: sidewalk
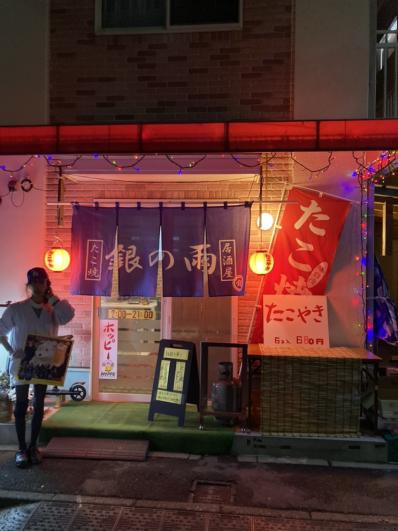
182, 491
63, 512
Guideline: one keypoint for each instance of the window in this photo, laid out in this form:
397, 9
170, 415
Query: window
152, 16
387, 72
194, 13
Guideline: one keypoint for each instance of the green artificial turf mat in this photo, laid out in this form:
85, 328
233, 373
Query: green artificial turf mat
130, 421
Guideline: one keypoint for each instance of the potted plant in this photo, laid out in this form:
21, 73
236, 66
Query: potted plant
5, 400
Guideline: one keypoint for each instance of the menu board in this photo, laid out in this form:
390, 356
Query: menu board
176, 379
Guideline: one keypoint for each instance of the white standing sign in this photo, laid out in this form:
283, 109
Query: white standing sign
108, 349
292, 320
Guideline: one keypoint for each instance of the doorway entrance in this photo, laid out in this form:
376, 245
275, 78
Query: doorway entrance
138, 321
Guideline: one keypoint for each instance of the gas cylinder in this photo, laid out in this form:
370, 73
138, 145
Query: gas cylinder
225, 392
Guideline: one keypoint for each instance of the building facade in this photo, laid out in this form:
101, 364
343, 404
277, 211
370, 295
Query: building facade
249, 60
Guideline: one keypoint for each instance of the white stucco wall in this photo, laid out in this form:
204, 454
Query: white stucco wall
22, 235
23, 62
332, 62
344, 289
24, 101
332, 58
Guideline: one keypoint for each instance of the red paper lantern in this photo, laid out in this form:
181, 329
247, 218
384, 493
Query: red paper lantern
261, 262
57, 259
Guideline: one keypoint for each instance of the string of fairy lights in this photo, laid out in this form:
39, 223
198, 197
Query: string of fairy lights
366, 175
377, 170
18, 186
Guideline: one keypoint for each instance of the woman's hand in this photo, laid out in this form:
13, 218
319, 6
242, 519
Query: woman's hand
18, 354
49, 292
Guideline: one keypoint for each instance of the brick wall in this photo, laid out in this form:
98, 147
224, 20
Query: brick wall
202, 76
80, 327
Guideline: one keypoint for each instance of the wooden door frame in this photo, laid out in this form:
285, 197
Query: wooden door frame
165, 327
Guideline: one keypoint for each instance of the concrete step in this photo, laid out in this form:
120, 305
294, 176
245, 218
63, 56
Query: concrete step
7, 432
8, 435
368, 449
94, 448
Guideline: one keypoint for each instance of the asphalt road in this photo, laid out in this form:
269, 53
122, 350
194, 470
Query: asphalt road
255, 485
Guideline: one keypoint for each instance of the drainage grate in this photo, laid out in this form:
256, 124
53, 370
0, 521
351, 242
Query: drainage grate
94, 517
139, 519
212, 492
50, 516
14, 518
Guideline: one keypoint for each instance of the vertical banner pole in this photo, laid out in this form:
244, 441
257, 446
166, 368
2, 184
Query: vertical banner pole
60, 198
256, 308
370, 265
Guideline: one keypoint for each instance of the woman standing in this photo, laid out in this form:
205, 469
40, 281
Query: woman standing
40, 314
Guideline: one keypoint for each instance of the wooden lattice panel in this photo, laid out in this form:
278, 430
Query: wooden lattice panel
310, 395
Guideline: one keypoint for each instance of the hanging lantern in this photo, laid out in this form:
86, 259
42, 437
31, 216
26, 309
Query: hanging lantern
265, 221
261, 262
57, 259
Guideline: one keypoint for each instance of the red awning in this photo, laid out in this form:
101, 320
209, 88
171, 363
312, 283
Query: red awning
233, 137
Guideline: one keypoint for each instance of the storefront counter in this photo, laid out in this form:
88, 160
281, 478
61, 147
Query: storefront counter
259, 349
310, 391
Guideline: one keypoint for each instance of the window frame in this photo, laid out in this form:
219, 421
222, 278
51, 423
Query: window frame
99, 30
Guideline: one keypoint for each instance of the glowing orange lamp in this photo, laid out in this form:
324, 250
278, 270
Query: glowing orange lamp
261, 262
57, 259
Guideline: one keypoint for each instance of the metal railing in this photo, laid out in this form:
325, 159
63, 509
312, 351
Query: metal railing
387, 73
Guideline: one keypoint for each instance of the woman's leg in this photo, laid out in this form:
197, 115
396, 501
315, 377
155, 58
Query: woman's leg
38, 411
21, 406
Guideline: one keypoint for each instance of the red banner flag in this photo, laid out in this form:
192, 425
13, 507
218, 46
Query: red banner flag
304, 248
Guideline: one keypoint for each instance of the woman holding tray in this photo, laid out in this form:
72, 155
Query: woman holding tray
41, 314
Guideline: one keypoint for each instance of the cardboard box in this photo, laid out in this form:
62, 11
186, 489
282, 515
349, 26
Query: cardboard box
392, 440
388, 388
388, 409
